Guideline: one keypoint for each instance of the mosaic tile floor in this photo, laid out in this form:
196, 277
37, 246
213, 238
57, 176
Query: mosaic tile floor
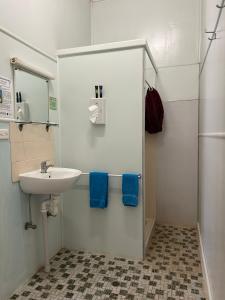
171, 270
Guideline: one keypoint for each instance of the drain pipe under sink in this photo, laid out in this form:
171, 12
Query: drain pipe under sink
44, 212
48, 208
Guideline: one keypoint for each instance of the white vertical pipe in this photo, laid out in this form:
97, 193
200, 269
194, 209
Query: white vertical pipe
45, 234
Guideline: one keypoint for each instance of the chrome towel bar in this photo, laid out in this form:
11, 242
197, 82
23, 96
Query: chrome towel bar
113, 175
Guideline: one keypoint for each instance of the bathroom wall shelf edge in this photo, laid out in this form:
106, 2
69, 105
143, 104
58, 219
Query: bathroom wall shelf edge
5, 120
48, 124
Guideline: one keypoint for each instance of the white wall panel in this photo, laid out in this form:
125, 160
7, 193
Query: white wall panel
21, 252
178, 83
115, 147
177, 164
212, 207
48, 24
212, 151
171, 27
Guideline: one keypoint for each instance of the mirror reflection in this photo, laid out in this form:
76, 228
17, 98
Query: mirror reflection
31, 97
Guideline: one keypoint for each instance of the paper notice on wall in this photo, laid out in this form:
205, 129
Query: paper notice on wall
52, 103
6, 99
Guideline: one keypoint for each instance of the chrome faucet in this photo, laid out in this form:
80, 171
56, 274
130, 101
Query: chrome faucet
44, 166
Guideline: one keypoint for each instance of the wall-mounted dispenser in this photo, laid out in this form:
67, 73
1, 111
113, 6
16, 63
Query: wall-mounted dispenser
22, 109
97, 110
97, 106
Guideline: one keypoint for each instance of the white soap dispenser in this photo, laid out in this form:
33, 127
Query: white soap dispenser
96, 107
22, 109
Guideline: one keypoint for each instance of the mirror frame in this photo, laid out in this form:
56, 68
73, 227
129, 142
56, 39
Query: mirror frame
18, 64
14, 95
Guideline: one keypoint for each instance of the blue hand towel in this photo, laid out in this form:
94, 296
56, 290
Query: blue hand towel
98, 183
130, 186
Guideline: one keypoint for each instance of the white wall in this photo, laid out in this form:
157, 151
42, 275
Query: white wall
21, 252
172, 29
170, 26
212, 152
48, 24
177, 164
115, 148
43, 24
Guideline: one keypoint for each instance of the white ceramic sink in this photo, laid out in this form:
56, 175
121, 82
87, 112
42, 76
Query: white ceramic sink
55, 181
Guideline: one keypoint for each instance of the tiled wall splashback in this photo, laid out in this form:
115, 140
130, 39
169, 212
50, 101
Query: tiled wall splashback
29, 147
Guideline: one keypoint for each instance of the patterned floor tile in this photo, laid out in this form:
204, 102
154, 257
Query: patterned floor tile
171, 270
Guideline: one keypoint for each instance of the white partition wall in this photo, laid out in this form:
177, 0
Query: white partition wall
115, 147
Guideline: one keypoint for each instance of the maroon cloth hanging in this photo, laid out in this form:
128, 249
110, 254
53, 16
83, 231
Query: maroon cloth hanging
154, 112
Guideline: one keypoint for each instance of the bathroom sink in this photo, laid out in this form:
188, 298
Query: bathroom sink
55, 181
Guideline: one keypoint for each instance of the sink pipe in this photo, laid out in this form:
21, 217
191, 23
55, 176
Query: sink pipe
29, 224
48, 208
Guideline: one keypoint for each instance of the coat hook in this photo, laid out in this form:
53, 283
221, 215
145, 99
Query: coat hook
214, 37
150, 87
220, 6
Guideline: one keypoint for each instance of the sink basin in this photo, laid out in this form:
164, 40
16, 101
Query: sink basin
55, 181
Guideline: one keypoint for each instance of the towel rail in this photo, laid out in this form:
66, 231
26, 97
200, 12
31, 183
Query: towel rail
113, 175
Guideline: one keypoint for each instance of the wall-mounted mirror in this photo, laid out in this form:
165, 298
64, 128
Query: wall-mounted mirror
34, 93
31, 97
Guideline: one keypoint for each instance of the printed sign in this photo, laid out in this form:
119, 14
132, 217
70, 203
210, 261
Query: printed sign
52, 103
6, 101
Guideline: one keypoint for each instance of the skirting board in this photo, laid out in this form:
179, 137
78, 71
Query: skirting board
204, 266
